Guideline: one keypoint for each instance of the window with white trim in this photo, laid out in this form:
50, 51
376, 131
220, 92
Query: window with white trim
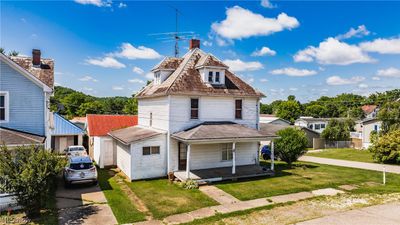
210, 77
217, 77
4, 107
151, 150
227, 152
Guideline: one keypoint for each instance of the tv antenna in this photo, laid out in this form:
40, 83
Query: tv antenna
175, 36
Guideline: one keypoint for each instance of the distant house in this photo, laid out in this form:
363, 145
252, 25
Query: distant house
267, 118
315, 124
368, 126
64, 134
26, 84
79, 121
370, 111
197, 120
102, 148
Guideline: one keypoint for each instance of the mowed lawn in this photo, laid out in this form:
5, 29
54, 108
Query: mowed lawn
345, 154
163, 198
306, 177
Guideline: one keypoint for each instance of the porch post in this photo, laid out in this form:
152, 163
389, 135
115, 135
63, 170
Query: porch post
233, 157
188, 162
272, 155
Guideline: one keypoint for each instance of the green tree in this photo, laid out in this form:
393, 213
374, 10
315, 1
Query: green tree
338, 130
131, 107
386, 148
289, 110
265, 109
291, 145
72, 102
2, 51
13, 53
94, 107
317, 111
389, 114
29, 172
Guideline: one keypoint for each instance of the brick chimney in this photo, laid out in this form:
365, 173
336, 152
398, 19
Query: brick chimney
36, 57
194, 43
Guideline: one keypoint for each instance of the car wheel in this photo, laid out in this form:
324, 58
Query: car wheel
67, 184
95, 182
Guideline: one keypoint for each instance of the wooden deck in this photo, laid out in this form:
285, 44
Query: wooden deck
224, 173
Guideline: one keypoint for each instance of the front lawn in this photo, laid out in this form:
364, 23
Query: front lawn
345, 154
306, 177
123, 209
163, 198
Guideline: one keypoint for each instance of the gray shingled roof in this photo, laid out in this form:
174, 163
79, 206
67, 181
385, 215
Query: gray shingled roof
133, 134
15, 137
45, 72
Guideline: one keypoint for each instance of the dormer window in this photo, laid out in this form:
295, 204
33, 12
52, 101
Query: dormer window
210, 76
157, 78
217, 77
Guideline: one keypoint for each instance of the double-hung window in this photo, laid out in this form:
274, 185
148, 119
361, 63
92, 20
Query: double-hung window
227, 152
4, 106
238, 109
194, 108
151, 150
317, 126
210, 77
217, 78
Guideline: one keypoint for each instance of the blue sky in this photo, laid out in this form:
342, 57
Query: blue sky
307, 49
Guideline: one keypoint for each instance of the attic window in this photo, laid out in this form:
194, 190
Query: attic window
157, 78
210, 76
217, 77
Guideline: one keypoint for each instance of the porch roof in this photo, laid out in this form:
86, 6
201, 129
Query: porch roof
11, 137
221, 131
133, 134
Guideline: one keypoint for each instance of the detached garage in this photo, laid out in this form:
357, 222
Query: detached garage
64, 133
102, 148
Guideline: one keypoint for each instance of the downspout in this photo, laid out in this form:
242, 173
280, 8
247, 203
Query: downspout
168, 136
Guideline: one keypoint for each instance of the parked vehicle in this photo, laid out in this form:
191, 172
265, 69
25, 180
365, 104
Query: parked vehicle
266, 153
80, 169
8, 201
75, 150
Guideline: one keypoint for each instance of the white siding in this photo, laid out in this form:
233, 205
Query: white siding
159, 109
124, 160
149, 166
366, 133
96, 149
210, 155
101, 150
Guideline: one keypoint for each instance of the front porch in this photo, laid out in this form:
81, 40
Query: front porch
224, 173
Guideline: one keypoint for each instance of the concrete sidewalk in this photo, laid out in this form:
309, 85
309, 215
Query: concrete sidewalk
387, 214
352, 164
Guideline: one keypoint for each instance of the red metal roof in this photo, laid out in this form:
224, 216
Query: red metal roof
100, 125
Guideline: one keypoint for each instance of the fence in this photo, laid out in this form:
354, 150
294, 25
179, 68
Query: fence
320, 143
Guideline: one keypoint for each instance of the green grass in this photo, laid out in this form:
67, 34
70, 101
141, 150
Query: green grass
307, 177
123, 209
163, 198
345, 154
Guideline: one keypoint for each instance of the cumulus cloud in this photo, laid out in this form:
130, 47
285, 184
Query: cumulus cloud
87, 88
267, 4
131, 52
88, 78
98, 3
242, 23
360, 31
333, 51
363, 86
293, 72
263, 80
376, 78
207, 43
389, 72
137, 70
293, 89
238, 65
107, 62
139, 81
117, 88
122, 5
264, 51
149, 76
336, 80
382, 46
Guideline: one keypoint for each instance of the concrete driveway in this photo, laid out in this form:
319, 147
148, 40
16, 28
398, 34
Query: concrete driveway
83, 204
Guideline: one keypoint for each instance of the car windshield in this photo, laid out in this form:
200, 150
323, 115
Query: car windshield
73, 149
81, 166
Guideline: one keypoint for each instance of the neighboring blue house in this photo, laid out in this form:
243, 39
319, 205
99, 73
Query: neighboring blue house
26, 84
64, 133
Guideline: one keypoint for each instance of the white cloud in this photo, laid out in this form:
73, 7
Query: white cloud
263, 80
267, 4
293, 89
264, 51
149, 76
333, 51
238, 65
131, 52
363, 86
137, 70
382, 46
118, 88
107, 62
135, 80
359, 32
242, 23
88, 89
376, 78
389, 72
122, 5
98, 3
336, 80
88, 78
57, 84
293, 72
207, 43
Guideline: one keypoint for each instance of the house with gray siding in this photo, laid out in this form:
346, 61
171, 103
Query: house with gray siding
26, 84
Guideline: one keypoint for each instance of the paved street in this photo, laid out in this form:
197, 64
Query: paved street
387, 214
352, 164
83, 204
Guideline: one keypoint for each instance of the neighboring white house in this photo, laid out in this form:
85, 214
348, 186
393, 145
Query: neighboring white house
315, 124
102, 148
195, 115
368, 126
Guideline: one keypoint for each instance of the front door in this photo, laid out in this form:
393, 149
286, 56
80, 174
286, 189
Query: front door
182, 156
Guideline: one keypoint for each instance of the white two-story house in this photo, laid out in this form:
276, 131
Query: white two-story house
195, 116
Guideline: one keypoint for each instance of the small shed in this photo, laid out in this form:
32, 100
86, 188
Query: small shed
64, 133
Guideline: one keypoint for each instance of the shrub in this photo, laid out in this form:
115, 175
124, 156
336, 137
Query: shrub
338, 130
386, 148
29, 172
189, 184
291, 145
